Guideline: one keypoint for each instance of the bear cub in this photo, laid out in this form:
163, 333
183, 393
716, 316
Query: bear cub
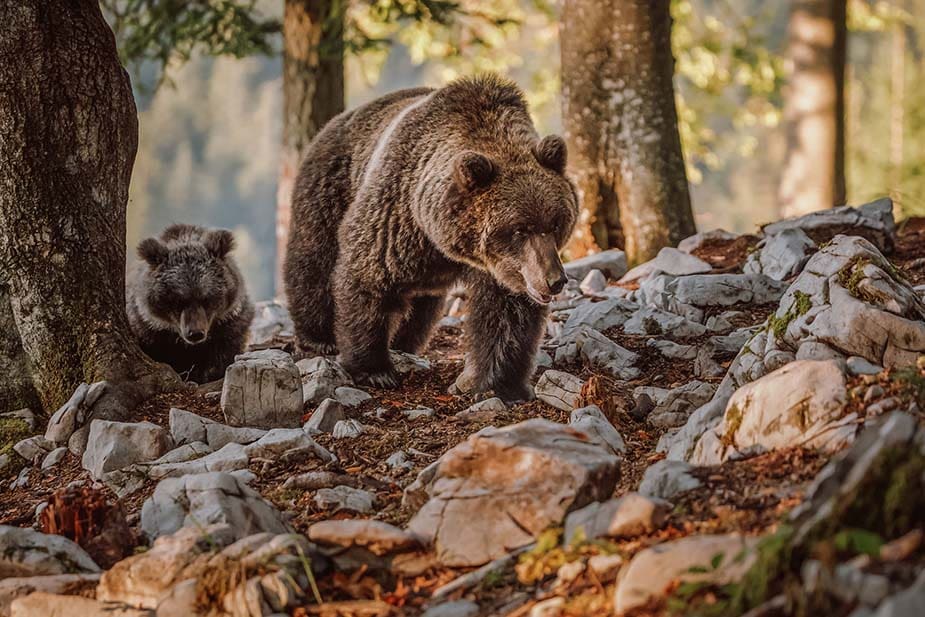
186, 301
399, 199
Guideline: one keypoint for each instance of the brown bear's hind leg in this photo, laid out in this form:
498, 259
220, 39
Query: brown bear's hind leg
417, 326
364, 325
503, 333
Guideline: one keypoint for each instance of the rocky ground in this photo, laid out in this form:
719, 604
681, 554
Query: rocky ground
734, 427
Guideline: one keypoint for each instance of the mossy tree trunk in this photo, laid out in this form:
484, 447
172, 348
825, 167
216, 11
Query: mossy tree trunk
313, 93
813, 177
621, 126
69, 135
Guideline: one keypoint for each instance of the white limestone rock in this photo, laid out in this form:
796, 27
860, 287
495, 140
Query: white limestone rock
187, 427
559, 389
874, 221
796, 404
624, 517
780, 256
533, 473
262, 389
117, 445
670, 261
717, 559
206, 499
611, 263
666, 479
24, 552
592, 421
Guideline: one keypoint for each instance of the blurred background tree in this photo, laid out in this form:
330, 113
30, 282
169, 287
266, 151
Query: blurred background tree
210, 148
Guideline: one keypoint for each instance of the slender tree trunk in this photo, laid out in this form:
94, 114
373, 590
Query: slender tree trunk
313, 93
621, 125
897, 112
69, 134
814, 107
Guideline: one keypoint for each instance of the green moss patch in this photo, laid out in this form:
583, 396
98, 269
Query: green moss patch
802, 302
12, 431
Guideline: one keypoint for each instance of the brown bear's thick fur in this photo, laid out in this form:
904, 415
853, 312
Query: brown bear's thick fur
402, 197
186, 301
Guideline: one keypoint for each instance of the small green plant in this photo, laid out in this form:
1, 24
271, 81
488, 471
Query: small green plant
858, 541
802, 303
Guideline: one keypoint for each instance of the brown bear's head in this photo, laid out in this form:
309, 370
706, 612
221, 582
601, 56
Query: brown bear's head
512, 218
189, 283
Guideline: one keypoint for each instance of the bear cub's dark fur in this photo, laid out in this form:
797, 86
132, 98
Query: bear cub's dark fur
397, 200
186, 301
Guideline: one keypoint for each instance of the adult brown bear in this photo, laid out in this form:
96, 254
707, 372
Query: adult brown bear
402, 197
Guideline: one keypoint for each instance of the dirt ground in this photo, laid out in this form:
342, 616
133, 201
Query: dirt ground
748, 496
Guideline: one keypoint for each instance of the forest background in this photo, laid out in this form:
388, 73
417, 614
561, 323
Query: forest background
210, 126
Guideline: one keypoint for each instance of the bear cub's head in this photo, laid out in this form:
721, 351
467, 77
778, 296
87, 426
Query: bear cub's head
190, 281
515, 215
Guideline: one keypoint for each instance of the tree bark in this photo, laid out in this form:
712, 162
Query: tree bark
16, 389
621, 125
69, 135
814, 107
313, 93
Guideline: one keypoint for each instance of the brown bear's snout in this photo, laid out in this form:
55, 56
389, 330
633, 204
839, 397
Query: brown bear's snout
194, 325
542, 269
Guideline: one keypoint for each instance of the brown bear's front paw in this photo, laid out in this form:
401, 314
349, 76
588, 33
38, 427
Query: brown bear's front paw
387, 379
515, 395
317, 348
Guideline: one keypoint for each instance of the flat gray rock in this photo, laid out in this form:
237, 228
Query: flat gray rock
559, 389
670, 261
187, 427
116, 445
345, 498
207, 499
690, 559
666, 479
375, 536
611, 263
873, 221
624, 517
24, 552
692, 243
600, 315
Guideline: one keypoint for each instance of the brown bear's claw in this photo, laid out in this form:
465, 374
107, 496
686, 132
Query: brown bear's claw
387, 379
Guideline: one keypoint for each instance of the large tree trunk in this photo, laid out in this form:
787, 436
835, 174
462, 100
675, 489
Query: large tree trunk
814, 107
69, 134
313, 93
621, 125
16, 389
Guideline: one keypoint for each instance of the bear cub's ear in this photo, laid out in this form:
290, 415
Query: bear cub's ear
472, 170
551, 153
219, 242
153, 251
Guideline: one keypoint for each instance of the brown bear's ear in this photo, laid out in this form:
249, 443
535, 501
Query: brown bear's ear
219, 242
153, 251
472, 170
551, 153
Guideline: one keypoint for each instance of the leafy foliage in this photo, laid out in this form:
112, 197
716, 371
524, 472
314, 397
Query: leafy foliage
165, 31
